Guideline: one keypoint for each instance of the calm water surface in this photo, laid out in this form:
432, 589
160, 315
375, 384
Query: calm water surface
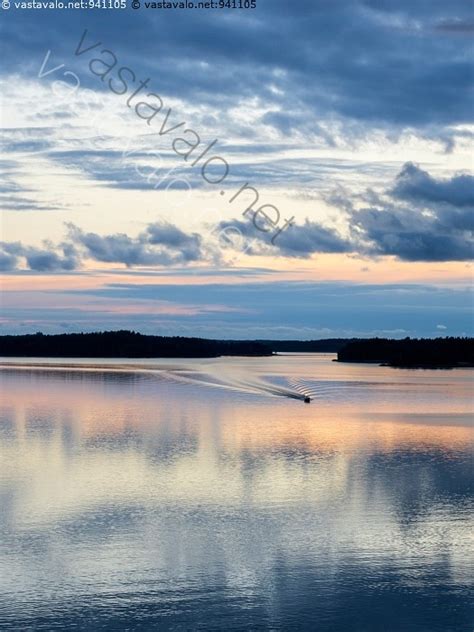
205, 495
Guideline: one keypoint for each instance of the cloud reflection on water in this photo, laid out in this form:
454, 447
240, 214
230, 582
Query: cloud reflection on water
134, 501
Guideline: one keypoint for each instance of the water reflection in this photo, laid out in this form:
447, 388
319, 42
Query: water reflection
133, 500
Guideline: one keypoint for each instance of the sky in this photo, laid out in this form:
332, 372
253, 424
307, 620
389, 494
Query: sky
298, 170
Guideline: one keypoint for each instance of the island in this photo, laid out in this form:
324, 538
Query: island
409, 352
124, 344
130, 344
425, 353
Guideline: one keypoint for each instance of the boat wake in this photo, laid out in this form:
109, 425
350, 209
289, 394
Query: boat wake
218, 376
234, 381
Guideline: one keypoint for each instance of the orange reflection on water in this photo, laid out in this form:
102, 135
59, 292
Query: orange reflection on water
98, 403
347, 431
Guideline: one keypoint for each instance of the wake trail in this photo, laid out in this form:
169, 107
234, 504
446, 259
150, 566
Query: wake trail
236, 383
223, 378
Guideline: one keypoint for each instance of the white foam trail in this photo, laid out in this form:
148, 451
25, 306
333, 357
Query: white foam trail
256, 386
227, 378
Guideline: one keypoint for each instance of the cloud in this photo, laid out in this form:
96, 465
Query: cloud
461, 27
289, 122
388, 64
297, 240
311, 237
12, 192
44, 260
15, 202
414, 184
171, 237
410, 235
62, 258
436, 226
8, 261
160, 244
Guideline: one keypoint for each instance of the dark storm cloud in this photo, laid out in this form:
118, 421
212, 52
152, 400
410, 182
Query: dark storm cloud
395, 64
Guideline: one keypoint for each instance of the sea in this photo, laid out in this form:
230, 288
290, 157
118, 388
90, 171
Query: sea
183, 495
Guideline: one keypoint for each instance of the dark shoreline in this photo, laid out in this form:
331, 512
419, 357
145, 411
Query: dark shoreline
439, 367
124, 344
129, 344
409, 353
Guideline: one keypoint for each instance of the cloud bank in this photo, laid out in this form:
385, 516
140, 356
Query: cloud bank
437, 226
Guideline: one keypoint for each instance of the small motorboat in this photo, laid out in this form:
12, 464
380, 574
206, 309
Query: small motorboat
307, 399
